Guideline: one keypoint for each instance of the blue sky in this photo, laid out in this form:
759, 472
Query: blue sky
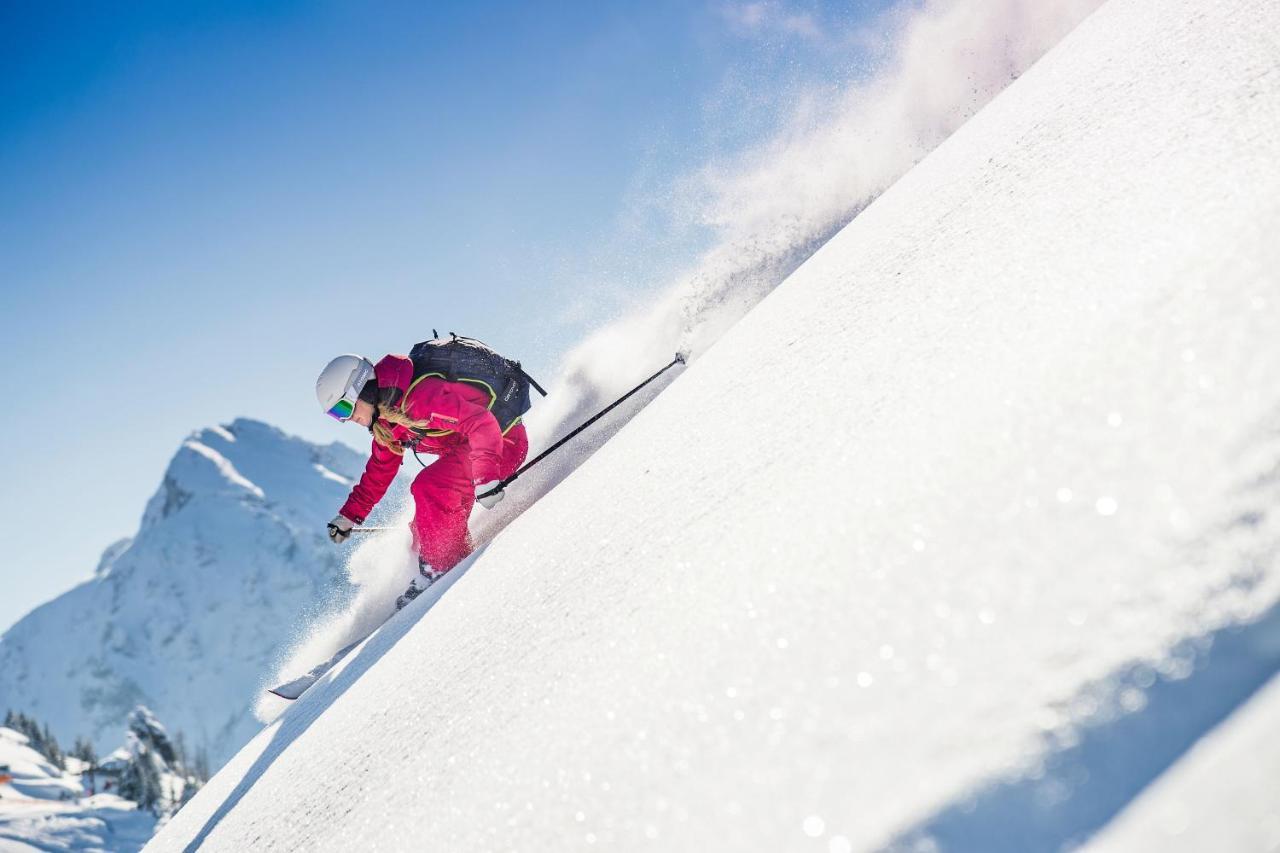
203, 202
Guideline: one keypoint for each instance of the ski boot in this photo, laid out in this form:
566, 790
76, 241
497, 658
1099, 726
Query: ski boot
426, 577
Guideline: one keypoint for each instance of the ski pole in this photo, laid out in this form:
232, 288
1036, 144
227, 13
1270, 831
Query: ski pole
502, 484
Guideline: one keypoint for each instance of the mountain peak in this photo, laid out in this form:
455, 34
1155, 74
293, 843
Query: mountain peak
249, 429
230, 550
251, 461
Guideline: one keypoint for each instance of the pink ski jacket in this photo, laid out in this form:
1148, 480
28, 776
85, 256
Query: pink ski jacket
460, 412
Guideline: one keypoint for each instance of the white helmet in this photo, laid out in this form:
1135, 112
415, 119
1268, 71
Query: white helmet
339, 385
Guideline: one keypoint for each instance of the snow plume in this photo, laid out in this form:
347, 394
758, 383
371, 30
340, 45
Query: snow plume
380, 568
773, 206
770, 207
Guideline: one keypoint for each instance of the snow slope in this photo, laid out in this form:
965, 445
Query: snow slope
31, 776
959, 539
186, 616
43, 808
770, 207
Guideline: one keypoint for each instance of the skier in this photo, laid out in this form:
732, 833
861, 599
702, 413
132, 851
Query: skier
404, 406
470, 392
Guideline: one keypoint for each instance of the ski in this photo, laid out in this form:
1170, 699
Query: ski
293, 689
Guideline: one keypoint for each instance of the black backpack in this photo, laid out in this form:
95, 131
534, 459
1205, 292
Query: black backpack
458, 359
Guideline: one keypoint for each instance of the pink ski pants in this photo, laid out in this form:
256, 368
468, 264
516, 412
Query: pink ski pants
444, 493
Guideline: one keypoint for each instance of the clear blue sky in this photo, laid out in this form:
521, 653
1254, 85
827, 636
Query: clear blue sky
204, 201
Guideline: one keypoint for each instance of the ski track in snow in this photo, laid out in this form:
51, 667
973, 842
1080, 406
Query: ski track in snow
997, 546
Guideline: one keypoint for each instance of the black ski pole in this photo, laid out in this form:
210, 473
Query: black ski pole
502, 484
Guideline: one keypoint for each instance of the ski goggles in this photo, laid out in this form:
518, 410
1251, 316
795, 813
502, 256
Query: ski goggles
344, 408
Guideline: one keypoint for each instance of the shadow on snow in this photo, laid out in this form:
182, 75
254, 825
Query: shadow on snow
312, 705
1088, 777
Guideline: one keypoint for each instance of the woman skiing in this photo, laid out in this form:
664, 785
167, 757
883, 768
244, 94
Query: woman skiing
405, 402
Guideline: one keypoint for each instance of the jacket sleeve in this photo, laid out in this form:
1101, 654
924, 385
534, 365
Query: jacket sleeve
379, 471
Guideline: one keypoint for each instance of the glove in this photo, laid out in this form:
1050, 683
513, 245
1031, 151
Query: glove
340, 529
492, 500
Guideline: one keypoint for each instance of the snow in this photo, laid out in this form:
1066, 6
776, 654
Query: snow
960, 539
329, 475
43, 808
930, 67
225, 470
32, 776
100, 823
379, 571
188, 615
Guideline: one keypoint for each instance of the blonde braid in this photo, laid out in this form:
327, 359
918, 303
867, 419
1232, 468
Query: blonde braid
394, 415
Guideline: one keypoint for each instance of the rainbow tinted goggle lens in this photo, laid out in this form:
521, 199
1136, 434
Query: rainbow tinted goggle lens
342, 410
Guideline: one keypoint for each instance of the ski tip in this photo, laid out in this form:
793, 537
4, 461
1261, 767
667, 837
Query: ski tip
682, 356
274, 692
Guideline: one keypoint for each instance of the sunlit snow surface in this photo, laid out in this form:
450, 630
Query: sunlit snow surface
43, 808
959, 540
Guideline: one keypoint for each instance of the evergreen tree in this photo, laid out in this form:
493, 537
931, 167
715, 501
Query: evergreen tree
188, 770
31, 729
201, 768
140, 781
153, 795
39, 738
156, 776
26, 726
130, 786
189, 789
51, 750
83, 750
147, 729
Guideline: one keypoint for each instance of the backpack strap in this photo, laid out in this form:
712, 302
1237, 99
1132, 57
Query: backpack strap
533, 382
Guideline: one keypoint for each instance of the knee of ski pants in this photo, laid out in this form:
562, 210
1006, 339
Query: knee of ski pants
444, 486
443, 496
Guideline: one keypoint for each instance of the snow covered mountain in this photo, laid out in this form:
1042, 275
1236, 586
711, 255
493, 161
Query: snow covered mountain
1010, 551
186, 616
958, 540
